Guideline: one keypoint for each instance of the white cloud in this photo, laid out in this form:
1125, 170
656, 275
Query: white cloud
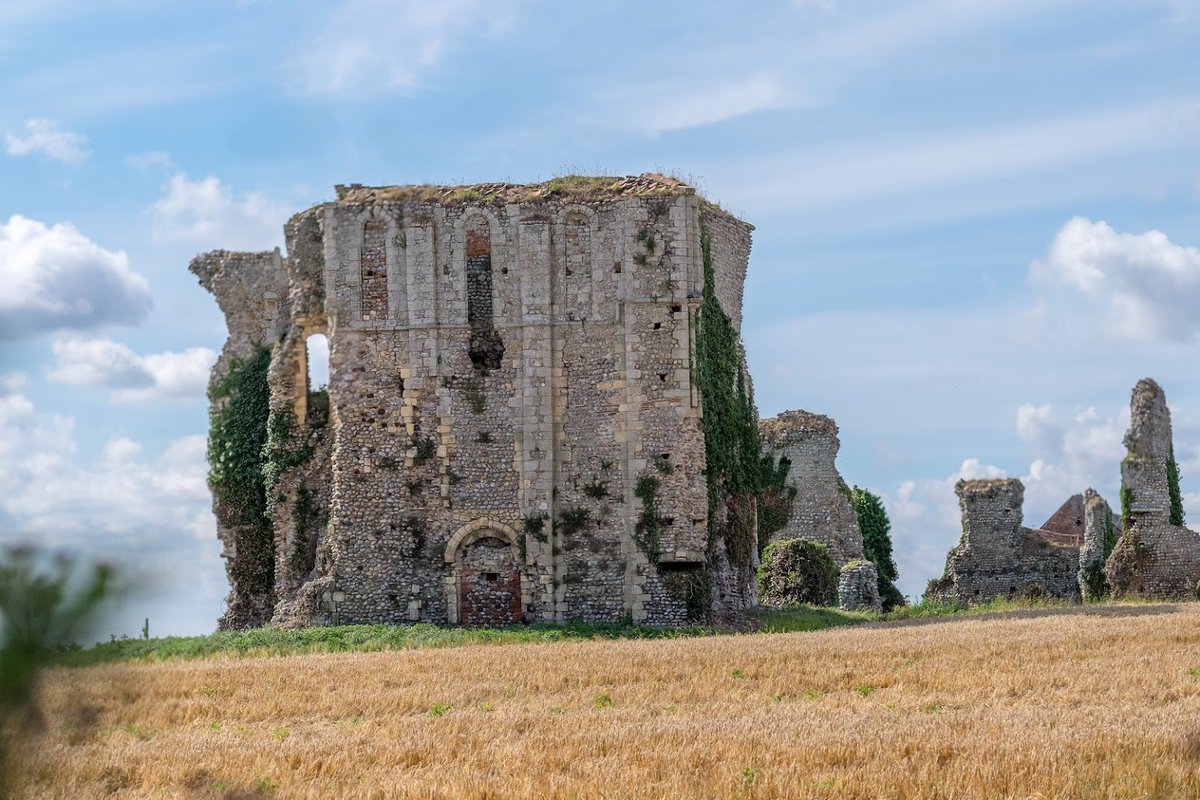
44, 137
1139, 287
153, 158
55, 277
122, 500
208, 213
132, 377
367, 47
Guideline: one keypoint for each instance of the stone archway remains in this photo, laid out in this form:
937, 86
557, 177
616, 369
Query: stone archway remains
484, 587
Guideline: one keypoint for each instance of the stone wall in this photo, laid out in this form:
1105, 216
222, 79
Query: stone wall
1153, 557
508, 365
998, 557
820, 511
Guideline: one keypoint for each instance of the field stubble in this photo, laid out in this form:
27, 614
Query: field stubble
1068, 705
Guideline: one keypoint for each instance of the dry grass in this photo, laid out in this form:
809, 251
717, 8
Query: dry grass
1069, 705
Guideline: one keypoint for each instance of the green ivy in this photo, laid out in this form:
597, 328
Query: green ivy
731, 444
877, 539
649, 525
1126, 507
775, 497
1110, 533
238, 432
1173, 489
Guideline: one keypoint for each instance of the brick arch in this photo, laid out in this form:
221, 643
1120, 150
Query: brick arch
475, 593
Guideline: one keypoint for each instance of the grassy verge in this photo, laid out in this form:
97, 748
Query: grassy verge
374, 638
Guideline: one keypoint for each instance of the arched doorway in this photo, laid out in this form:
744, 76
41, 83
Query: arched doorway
484, 587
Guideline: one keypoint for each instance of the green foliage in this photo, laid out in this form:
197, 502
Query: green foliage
426, 449
663, 464
596, 489
1094, 583
353, 638
284, 449
797, 571
649, 524
573, 520
535, 525
1126, 508
602, 700
237, 433
775, 497
440, 709
1110, 534
1173, 489
43, 607
790, 619
731, 443
237, 437
484, 437
318, 408
877, 543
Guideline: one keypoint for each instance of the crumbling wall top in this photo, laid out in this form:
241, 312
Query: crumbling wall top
793, 425
568, 188
1149, 433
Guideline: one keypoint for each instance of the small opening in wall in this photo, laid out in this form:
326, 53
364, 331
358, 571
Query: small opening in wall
617, 268
662, 377
491, 576
317, 347
504, 270
658, 326
676, 309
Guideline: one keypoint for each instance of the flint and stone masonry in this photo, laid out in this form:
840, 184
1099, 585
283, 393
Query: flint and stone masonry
1155, 555
820, 510
508, 364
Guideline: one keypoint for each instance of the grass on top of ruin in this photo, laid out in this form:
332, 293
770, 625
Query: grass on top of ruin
375, 638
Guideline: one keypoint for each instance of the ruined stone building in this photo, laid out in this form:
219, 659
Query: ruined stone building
1082, 551
821, 511
535, 403
1156, 556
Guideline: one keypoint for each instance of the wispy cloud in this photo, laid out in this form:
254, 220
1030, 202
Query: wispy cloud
209, 213
131, 377
363, 48
45, 138
879, 168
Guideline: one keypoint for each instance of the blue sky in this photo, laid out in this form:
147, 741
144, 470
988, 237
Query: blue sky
977, 222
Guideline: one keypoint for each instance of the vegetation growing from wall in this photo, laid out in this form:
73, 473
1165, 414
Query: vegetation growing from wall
730, 424
877, 543
775, 497
1173, 489
649, 524
238, 429
796, 571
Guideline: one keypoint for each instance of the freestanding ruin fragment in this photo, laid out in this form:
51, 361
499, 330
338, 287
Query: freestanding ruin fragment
537, 408
1000, 558
1155, 556
821, 510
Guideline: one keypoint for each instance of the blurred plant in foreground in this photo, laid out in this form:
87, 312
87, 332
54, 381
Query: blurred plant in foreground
44, 605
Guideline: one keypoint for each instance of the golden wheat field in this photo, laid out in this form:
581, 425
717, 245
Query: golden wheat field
1103, 704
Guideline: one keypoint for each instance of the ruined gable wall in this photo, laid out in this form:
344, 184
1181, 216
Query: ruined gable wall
820, 510
591, 395
997, 556
1097, 526
1153, 557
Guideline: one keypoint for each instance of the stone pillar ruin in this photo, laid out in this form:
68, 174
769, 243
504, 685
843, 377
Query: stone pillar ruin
820, 511
1155, 556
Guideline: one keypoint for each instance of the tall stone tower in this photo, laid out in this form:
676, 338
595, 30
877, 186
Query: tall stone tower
515, 424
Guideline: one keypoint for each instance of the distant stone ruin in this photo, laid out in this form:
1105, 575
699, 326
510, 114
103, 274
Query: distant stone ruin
1082, 552
998, 557
821, 510
1155, 556
537, 409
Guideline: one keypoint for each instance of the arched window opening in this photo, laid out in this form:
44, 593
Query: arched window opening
486, 347
317, 357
